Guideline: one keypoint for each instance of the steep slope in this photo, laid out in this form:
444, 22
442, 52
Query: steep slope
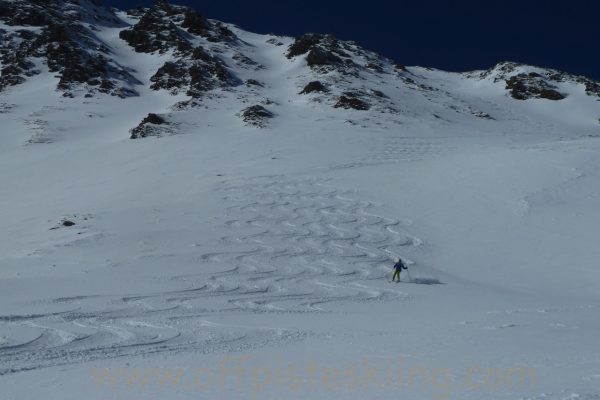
250, 228
216, 66
60, 37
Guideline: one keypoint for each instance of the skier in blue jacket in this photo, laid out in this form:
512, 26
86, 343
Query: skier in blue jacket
398, 267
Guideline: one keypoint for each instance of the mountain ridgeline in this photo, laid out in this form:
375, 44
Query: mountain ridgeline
94, 52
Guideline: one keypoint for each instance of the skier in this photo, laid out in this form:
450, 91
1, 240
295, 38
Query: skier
398, 267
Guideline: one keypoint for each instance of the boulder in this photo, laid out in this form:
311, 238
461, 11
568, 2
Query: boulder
314, 86
148, 127
256, 115
350, 100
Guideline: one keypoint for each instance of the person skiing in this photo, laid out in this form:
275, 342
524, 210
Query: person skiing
398, 267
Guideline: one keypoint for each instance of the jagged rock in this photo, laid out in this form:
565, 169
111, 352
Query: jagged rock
525, 81
195, 69
256, 115
68, 47
551, 94
157, 31
314, 86
200, 53
591, 87
166, 7
532, 85
170, 76
321, 50
195, 23
198, 25
196, 75
148, 127
208, 75
303, 44
318, 56
154, 33
350, 100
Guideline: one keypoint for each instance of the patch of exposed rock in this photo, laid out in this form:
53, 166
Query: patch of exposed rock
195, 69
526, 82
151, 125
58, 33
314, 86
352, 100
256, 115
532, 85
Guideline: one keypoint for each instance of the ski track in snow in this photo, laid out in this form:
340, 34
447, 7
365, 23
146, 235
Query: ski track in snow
294, 245
322, 244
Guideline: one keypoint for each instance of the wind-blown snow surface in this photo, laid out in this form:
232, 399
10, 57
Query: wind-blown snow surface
253, 263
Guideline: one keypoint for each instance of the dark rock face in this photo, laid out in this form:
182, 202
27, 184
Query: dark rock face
171, 76
213, 31
303, 44
320, 56
351, 100
163, 27
70, 48
325, 53
195, 23
195, 75
155, 33
148, 127
592, 88
320, 50
195, 70
540, 84
256, 115
314, 86
532, 85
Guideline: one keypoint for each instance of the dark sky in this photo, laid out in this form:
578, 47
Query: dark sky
451, 35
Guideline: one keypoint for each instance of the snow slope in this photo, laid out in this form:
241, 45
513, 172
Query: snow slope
254, 263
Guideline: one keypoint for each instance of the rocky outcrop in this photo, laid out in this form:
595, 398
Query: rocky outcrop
257, 116
194, 75
213, 31
56, 33
532, 85
314, 86
320, 50
527, 82
155, 33
195, 70
351, 100
164, 27
152, 125
324, 53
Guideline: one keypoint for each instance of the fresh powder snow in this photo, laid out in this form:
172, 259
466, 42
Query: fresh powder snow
246, 252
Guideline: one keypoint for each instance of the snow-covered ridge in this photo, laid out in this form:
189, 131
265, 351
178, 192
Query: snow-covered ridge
207, 60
